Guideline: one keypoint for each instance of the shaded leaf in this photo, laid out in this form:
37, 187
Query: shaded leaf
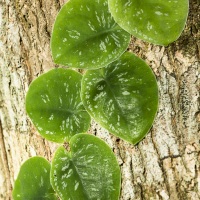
123, 97
88, 172
158, 22
33, 181
86, 36
54, 105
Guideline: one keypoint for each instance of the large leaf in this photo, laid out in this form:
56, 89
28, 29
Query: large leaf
89, 171
33, 181
123, 97
156, 21
54, 105
86, 36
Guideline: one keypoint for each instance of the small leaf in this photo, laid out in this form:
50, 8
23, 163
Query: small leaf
86, 36
33, 181
158, 22
88, 172
123, 97
54, 105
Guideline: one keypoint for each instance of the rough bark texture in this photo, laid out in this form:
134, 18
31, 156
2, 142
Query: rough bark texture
164, 165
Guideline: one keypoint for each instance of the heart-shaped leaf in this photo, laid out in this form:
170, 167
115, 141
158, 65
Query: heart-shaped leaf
33, 181
86, 36
54, 105
158, 22
88, 172
122, 97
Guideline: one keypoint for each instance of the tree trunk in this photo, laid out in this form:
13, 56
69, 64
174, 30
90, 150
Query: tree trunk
165, 165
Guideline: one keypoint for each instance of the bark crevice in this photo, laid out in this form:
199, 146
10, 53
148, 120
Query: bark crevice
6, 169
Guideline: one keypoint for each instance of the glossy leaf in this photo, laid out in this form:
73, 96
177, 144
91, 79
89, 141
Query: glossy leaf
86, 36
33, 181
155, 21
89, 171
54, 105
123, 97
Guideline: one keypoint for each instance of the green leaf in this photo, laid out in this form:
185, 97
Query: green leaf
33, 181
123, 97
88, 172
54, 105
155, 21
86, 36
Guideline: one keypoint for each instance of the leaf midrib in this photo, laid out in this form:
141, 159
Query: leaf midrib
118, 105
75, 169
70, 111
116, 27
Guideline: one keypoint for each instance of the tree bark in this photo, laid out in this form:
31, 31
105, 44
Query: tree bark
164, 165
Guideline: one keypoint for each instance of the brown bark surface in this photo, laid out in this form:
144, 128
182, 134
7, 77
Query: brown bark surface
164, 165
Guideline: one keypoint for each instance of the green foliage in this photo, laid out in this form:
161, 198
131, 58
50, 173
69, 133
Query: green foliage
88, 171
122, 97
33, 181
155, 21
54, 105
86, 36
